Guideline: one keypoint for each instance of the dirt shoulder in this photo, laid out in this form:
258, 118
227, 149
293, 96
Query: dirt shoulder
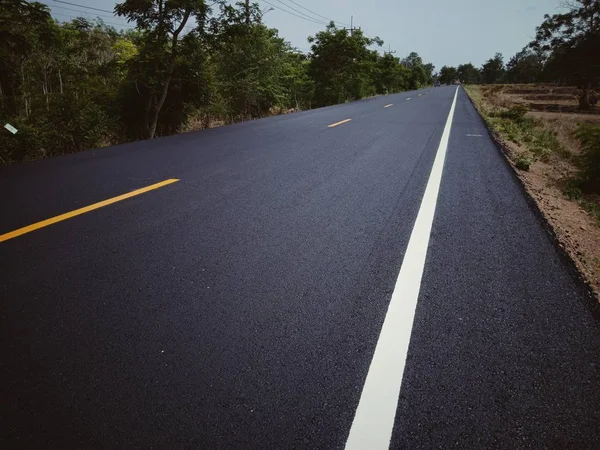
541, 146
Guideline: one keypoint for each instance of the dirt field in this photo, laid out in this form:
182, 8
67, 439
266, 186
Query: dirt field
542, 148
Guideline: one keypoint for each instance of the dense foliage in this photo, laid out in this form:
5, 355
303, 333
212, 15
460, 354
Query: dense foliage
187, 64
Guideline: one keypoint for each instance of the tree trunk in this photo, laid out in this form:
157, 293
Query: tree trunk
23, 88
153, 120
60, 81
147, 110
45, 89
584, 100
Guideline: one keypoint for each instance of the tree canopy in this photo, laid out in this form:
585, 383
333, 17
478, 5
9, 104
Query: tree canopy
492, 70
448, 75
571, 43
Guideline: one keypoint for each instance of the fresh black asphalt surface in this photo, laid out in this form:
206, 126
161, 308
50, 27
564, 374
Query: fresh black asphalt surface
240, 307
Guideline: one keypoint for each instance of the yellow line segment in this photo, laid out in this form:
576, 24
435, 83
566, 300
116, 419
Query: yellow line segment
338, 123
387, 106
65, 216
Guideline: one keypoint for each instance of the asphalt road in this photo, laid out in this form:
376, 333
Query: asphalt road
242, 306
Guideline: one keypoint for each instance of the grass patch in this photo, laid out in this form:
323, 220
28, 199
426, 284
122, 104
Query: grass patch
512, 124
589, 160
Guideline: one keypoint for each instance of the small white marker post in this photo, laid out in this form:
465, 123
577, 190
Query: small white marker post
10, 128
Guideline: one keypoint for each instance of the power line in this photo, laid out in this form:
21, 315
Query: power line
187, 27
106, 23
305, 17
317, 14
302, 13
83, 6
84, 12
299, 12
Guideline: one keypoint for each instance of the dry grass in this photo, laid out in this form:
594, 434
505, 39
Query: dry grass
542, 149
200, 121
573, 118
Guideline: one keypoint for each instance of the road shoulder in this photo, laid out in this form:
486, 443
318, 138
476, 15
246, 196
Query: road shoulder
575, 232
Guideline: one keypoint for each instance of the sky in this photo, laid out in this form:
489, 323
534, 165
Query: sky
443, 32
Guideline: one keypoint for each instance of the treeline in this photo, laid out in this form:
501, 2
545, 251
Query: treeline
566, 50
186, 65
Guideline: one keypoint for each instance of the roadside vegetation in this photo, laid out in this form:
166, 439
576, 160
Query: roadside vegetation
543, 108
187, 65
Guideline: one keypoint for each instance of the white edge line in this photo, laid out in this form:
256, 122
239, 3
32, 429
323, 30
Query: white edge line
374, 418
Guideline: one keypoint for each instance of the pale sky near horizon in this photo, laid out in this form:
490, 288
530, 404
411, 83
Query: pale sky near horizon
444, 32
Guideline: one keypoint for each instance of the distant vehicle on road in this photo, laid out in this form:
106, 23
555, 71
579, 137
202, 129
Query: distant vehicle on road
436, 84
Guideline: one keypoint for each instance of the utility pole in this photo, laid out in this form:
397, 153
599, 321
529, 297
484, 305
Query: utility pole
351, 28
247, 11
390, 51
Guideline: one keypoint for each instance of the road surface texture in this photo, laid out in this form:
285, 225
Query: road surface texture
259, 302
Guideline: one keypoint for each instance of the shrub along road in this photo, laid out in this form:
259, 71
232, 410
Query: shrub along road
239, 300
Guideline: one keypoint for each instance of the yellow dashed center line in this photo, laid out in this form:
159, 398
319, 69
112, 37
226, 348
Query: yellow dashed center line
77, 212
338, 123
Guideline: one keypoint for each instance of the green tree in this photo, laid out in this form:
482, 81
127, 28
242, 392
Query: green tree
468, 74
524, 67
571, 40
251, 61
493, 69
429, 70
342, 66
163, 23
24, 27
418, 73
391, 76
299, 85
448, 75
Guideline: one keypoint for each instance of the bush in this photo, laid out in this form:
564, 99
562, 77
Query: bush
589, 160
571, 191
515, 113
523, 162
29, 143
543, 143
